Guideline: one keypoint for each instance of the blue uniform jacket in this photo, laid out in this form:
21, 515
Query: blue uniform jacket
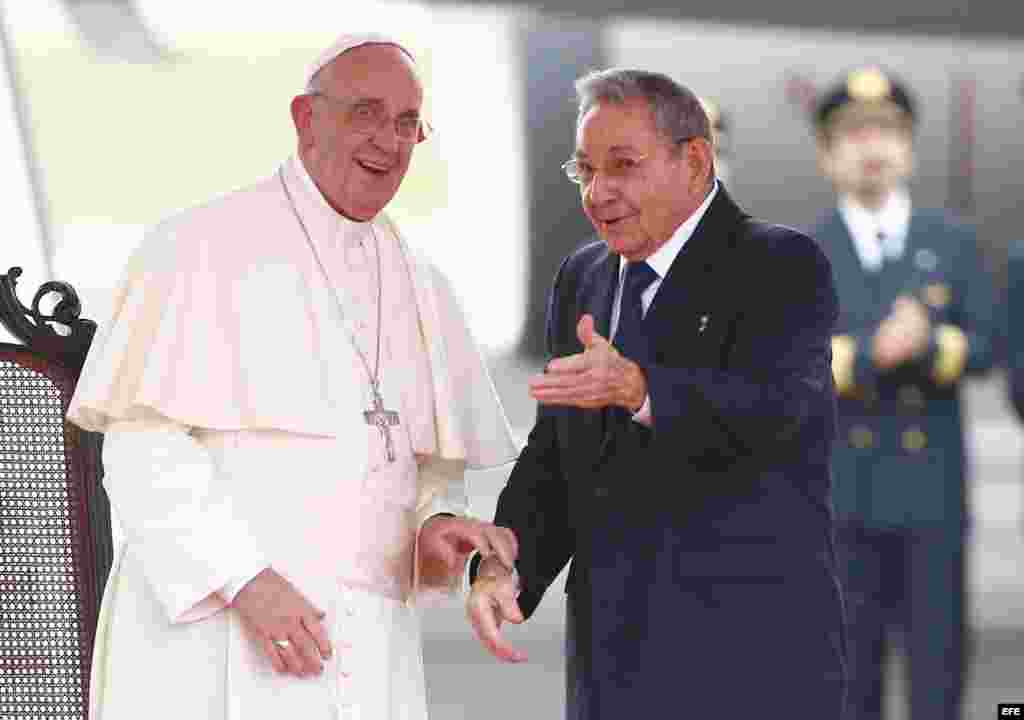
899, 460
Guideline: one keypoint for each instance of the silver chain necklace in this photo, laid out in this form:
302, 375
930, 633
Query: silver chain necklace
377, 415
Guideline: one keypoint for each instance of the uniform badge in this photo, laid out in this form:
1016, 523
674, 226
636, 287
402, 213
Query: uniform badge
926, 260
937, 295
868, 85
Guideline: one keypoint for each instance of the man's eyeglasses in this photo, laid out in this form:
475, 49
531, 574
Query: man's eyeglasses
369, 116
582, 172
623, 167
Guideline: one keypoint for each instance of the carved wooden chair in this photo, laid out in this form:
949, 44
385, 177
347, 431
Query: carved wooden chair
55, 536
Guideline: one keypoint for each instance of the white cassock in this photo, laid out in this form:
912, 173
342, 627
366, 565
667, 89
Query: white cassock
232, 399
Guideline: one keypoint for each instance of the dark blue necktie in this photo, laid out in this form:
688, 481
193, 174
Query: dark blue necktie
629, 336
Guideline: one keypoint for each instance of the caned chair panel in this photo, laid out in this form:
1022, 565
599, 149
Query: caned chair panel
55, 538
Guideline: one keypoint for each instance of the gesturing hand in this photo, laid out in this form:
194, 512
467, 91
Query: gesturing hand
491, 601
595, 378
276, 611
445, 542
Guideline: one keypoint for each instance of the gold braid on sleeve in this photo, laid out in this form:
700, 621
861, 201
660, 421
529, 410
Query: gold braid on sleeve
844, 354
951, 358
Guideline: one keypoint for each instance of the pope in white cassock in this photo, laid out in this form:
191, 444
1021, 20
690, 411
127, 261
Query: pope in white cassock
290, 397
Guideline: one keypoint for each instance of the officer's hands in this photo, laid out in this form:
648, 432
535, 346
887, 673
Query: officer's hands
491, 601
275, 610
903, 335
595, 378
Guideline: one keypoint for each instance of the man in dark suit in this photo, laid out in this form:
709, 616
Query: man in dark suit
916, 318
684, 467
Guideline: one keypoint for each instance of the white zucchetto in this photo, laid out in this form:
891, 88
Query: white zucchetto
350, 41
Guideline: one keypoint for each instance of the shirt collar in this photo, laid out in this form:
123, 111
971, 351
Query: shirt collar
893, 219
662, 258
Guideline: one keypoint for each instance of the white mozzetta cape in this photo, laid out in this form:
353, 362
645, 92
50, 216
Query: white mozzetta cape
219, 323
224, 323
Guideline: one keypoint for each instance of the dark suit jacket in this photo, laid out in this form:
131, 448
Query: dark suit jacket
702, 548
899, 460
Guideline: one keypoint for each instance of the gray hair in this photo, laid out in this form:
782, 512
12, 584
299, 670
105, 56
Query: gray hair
678, 113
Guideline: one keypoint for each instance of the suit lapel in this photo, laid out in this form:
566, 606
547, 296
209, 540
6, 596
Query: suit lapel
600, 297
857, 287
697, 265
597, 299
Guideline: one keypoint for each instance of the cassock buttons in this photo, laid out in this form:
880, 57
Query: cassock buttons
861, 437
914, 440
346, 596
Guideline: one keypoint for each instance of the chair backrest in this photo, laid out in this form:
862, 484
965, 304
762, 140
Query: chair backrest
55, 535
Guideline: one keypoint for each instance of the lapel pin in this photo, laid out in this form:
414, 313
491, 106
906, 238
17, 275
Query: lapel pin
926, 259
703, 323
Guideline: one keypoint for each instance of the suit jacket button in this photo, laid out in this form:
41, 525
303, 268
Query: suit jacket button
861, 437
601, 492
914, 440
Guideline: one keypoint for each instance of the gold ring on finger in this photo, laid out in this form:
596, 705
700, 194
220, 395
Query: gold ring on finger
282, 644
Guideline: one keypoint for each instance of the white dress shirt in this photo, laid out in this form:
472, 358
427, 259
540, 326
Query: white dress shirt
660, 261
878, 235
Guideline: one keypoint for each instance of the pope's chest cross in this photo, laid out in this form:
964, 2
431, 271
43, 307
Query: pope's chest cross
384, 420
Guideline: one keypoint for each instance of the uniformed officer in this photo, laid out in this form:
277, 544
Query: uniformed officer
916, 317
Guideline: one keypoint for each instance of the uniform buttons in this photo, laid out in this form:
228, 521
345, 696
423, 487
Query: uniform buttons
861, 437
914, 440
911, 396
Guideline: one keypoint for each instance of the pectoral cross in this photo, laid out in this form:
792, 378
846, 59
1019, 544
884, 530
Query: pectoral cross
383, 419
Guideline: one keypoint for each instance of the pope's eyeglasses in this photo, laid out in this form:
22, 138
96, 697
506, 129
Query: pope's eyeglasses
366, 117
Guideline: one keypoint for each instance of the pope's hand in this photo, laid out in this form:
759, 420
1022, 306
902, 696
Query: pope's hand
491, 601
446, 542
595, 378
280, 615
